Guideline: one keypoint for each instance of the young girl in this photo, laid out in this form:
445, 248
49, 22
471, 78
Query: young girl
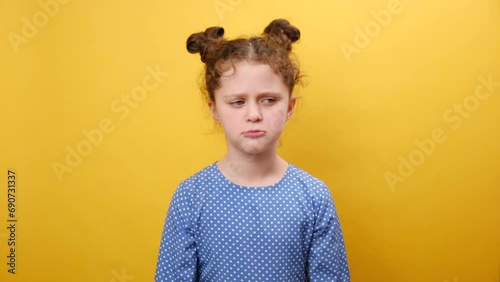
251, 216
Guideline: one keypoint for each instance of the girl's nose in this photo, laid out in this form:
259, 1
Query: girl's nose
253, 113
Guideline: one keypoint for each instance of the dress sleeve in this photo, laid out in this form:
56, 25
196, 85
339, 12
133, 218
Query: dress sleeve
177, 258
327, 259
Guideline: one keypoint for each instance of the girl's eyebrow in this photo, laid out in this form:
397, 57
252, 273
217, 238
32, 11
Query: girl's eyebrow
238, 95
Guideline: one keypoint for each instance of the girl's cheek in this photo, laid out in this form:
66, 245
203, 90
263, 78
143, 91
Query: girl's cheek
279, 116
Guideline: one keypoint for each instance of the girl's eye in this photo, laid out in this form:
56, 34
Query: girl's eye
239, 102
270, 100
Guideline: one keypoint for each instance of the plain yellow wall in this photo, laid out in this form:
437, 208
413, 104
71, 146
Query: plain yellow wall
101, 118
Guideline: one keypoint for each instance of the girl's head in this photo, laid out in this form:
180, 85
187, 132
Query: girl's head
272, 48
249, 83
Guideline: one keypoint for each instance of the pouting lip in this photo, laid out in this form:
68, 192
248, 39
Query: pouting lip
253, 131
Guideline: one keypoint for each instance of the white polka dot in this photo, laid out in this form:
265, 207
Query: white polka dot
219, 231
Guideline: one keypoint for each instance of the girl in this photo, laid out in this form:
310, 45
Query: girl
251, 216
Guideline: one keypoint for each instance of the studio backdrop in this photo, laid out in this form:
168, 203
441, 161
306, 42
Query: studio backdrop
102, 117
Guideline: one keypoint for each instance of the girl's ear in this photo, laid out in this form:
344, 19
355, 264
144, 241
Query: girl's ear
213, 111
291, 106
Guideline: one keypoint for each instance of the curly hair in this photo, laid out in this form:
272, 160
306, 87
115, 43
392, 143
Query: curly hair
272, 48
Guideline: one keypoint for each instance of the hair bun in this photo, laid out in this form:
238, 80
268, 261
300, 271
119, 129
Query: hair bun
198, 42
281, 29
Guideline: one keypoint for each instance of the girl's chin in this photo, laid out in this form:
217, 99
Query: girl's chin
253, 147
257, 150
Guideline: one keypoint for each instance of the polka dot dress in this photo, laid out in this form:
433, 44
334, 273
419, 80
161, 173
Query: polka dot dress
219, 231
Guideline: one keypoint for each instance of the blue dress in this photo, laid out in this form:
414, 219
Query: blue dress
216, 231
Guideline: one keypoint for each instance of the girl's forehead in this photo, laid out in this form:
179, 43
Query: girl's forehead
247, 67
250, 76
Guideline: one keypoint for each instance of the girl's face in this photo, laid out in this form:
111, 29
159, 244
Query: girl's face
252, 104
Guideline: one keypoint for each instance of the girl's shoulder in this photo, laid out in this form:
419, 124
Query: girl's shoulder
202, 178
312, 188
306, 179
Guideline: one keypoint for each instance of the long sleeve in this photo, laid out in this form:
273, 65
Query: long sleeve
177, 259
327, 257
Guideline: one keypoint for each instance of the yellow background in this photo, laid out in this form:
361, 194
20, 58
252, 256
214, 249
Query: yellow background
358, 118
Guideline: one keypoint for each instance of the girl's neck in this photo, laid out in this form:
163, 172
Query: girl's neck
255, 170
